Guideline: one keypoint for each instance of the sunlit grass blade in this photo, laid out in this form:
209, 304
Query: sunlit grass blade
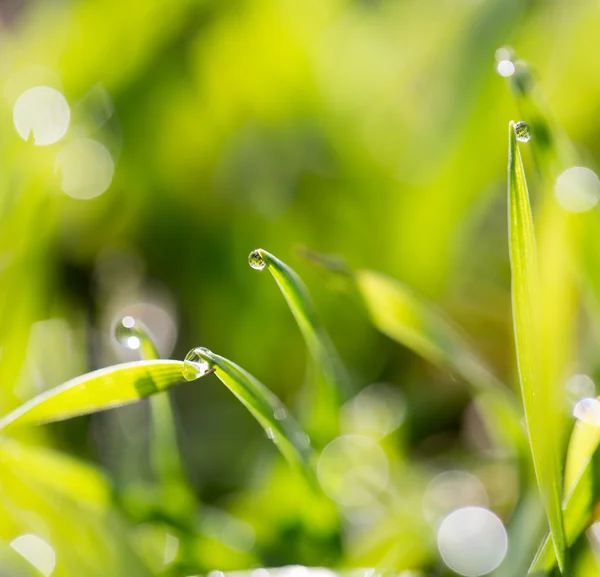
82, 483
578, 491
264, 406
415, 323
540, 412
96, 391
324, 402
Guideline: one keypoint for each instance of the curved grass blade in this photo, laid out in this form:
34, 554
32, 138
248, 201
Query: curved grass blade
165, 455
416, 324
578, 491
325, 400
540, 413
264, 406
96, 391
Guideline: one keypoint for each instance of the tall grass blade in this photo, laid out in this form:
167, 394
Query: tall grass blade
324, 401
264, 406
96, 391
540, 412
416, 324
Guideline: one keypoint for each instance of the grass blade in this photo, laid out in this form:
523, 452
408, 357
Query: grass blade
164, 449
325, 399
96, 391
264, 406
58, 472
540, 413
578, 491
416, 324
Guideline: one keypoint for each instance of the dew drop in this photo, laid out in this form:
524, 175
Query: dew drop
523, 131
126, 333
280, 414
195, 364
505, 68
270, 433
588, 411
256, 261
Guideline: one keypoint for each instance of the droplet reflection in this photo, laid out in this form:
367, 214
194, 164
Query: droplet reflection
256, 261
43, 111
353, 470
588, 411
195, 364
37, 552
472, 541
577, 189
522, 131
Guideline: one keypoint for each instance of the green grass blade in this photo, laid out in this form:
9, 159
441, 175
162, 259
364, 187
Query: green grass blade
416, 324
96, 391
264, 406
164, 449
324, 401
539, 410
578, 491
65, 475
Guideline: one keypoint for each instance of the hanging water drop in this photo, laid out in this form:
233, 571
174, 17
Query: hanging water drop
256, 261
126, 333
195, 364
588, 411
280, 414
523, 131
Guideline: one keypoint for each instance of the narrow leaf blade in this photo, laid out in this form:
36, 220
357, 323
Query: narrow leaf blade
333, 380
416, 324
96, 391
265, 407
526, 297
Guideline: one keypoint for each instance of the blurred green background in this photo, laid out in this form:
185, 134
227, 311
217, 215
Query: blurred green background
370, 129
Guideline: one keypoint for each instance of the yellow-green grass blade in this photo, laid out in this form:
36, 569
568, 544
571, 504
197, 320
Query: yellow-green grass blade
540, 413
415, 323
82, 483
96, 391
578, 492
324, 401
264, 406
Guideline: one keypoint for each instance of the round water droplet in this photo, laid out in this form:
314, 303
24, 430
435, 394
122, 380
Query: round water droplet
588, 411
256, 261
195, 365
523, 131
280, 414
126, 333
37, 552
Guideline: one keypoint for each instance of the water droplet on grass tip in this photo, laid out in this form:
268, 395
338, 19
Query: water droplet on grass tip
195, 365
256, 261
523, 131
588, 411
126, 333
